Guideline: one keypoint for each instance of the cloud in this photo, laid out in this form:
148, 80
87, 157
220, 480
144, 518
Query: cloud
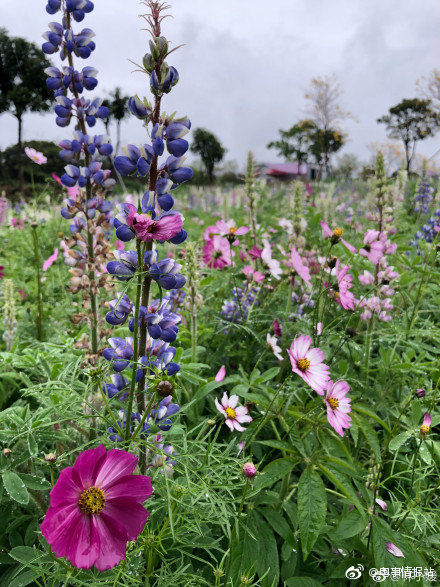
245, 65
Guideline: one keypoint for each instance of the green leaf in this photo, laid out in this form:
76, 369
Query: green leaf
312, 508
302, 582
400, 439
274, 471
280, 525
350, 525
32, 446
266, 376
425, 455
25, 554
15, 487
279, 444
36, 483
208, 387
370, 436
344, 485
267, 563
23, 579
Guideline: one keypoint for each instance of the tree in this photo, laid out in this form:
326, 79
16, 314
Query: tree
325, 143
22, 83
210, 149
348, 165
294, 144
410, 121
117, 107
324, 110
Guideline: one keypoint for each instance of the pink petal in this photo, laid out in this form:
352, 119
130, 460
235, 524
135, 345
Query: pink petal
230, 424
243, 418
237, 426
137, 487
241, 411
326, 231
65, 491
350, 247
221, 373
225, 400
233, 401
242, 230
56, 524
127, 512
315, 356
219, 407
83, 543
301, 345
87, 465
50, 260
112, 544
118, 463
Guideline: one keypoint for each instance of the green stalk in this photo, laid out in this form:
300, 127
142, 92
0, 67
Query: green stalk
37, 269
135, 341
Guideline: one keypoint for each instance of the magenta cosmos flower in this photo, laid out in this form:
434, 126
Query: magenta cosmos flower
308, 363
343, 296
96, 507
217, 252
35, 156
299, 267
338, 405
426, 426
162, 228
235, 415
336, 236
230, 230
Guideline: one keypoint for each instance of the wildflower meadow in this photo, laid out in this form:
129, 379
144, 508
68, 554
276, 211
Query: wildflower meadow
211, 383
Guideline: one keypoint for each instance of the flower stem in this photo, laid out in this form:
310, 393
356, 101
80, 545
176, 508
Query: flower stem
135, 341
37, 269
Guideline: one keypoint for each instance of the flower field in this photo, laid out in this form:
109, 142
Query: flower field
220, 386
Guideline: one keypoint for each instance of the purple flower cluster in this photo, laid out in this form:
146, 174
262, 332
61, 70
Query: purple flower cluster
428, 231
237, 309
423, 198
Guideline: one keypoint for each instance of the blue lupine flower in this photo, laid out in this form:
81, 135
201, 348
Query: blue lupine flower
161, 321
423, 198
120, 353
120, 309
137, 160
118, 385
161, 413
166, 273
173, 166
140, 109
79, 175
122, 423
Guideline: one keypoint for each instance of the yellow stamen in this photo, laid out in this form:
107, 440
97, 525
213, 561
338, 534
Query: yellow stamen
303, 364
338, 232
233, 229
91, 500
333, 402
424, 429
230, 413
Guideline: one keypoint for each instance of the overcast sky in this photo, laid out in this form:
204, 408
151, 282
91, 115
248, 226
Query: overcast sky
246, 64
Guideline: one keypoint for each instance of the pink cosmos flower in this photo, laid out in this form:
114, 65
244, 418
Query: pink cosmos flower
343, 296
162, 228
253, 275
373, 247
210, 232
96, 508
221, 373
217, 253
272, 264
393, 549
229, 229
235, 415
272, 342
319, 328
338, 405
17, 223
35, 156
50, 260
255, 252
299, 267
308, 363
119, 245
426, 426
336, 235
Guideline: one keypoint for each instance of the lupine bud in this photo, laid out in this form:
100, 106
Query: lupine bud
164, 388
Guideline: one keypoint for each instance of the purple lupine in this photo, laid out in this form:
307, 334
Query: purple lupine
88, 210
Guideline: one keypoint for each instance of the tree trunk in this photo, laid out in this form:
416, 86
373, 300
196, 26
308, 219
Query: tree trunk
20, 155
118, 136
407, 157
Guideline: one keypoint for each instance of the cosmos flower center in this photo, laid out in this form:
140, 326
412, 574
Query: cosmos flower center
338, 232
91, 500
216, 254
230, 413
232, 229
303, 364
333, 403
424, 429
